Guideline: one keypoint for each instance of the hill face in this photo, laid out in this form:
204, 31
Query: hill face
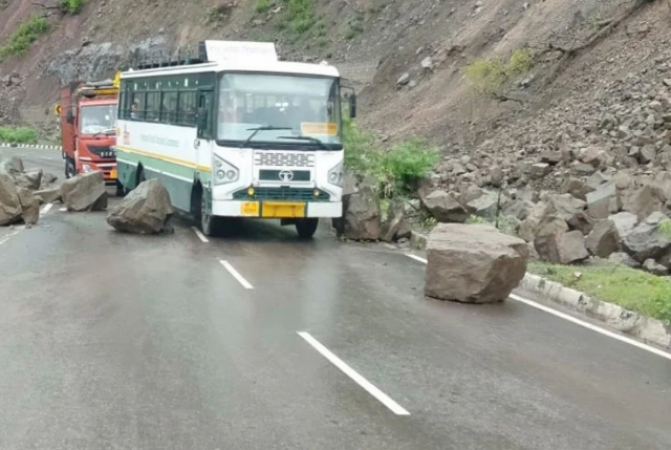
408, 58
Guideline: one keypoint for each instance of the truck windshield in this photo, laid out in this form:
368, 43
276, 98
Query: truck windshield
279, 109
98, 119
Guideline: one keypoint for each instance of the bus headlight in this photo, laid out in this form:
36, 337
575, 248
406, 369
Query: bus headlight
336, 175
225, 172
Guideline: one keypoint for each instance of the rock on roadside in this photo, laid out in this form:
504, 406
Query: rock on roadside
473, 263
30, 206
146, 210
361, 213
446, 207
50, 195
562, 248
10, 204
85, 192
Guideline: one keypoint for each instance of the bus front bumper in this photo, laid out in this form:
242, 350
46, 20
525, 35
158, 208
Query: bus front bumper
276, 209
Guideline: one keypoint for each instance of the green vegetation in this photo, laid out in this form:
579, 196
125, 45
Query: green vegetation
355, 27
27, 32
396, 169
492, 76
298, 17
73, 6
506, 225
632, 289
18, 135
263, 6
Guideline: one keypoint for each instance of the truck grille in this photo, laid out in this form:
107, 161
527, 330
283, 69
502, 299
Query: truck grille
278, 159
283, 194
102, 152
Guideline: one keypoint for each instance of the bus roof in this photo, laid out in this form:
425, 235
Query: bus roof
284, 67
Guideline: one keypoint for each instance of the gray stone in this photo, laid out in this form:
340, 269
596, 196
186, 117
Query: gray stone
541, 222
595, 180
50, 195
473, 263
446, 208
605, 200
403, 79
146, 210
645, 241
48, 180
29, 180
540, 170
12, 166
604, 239
562, 248
644, 201
624, 259
394, 226
576, 188
624, 223
591, 156
30, 206
85, 192
361, 213
650, 265
10, 204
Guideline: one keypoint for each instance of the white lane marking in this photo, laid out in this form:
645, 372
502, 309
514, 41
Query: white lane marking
582, 323
358, 379
592, 327
200, 235
45, 209
63, 209
8, 236
236, 275
416, 258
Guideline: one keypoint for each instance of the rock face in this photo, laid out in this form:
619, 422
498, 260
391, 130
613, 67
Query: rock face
30, 206
85, 192
445, 207
146, 210
10, 204
361, 213
646, 241
473, 263
604, 239
562, 248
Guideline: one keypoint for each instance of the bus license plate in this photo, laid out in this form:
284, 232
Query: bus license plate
114, 175
250, 209
283, 210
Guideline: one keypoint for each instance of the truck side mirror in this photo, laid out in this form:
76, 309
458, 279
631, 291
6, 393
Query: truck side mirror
201, 118
352, 105
69, 117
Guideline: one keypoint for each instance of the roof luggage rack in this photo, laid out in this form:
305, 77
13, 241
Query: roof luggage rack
184, 57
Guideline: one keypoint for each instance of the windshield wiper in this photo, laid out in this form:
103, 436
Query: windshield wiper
307, 138
256, 130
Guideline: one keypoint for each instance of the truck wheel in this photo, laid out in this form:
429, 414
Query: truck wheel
307, 228
70, 168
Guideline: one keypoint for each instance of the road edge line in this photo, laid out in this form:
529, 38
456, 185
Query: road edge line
200, 235
354, 375
45, 209
236, 274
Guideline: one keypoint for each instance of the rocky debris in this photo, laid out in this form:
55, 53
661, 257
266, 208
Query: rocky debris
49, 195
654, 268
10, 204
473, 263
85, 192
624, 259
646, 241
624, 223
644, 201
542, 221
445, 207
29, 180
48, 180
562, 248
394, 226
604, 239
361, 219
146, 210
12, 166
577, 188
403, 79
605, 200
30, 206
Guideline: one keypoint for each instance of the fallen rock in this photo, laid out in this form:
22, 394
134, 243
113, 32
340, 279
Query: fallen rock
394, 226
50, 195
562, 248
48, 180
85, 192
146, 210
645, 241
644, 201
446, 208
10, 204
604, 239
624, 259
542, 221
12, 166
624, 223
30, 206
473, 263
29, 180
650, 265
576, 188
361, 213
605, 200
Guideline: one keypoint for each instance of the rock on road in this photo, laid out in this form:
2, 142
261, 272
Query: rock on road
113, 341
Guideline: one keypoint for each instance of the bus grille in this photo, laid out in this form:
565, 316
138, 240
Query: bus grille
283, 194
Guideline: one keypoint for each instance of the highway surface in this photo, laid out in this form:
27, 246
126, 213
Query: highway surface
262, 341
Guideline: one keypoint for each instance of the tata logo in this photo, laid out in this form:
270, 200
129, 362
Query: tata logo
286, 176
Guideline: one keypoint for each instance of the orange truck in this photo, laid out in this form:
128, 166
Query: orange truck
88, 114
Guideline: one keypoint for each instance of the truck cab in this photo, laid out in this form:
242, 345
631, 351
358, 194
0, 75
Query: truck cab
88, 128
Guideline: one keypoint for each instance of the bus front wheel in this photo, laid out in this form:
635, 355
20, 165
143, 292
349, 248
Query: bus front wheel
208, 223
307, 228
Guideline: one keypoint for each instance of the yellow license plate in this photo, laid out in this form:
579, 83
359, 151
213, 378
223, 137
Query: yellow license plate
283, 210
114, 175
250, 209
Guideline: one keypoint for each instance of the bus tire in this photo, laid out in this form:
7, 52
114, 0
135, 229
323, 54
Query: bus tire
120, 189
307, 228
140, 177
206, 222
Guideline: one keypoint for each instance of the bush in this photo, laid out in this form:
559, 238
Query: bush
396, 169
491, 76
73, 6
263, 6
298, 17
18, 135
27, 33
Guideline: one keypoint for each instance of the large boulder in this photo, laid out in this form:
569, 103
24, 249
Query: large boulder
12, 166
576, 188
10, 204
624, 223
30, 206
394, 226
446, 207
85, 192
562, 248
146, 210
644, 201
647, 241
361, 212
48, 180
29, 180
473, 263
543, 220
49, 195
605, 200
604, 239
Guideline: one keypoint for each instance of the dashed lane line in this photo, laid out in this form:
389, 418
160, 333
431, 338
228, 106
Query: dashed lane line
45, 209
11, 234
236, 274
200, 235
577, 321
354, 375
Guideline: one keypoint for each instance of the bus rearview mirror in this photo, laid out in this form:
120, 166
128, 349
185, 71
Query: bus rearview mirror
201, 120
352, 106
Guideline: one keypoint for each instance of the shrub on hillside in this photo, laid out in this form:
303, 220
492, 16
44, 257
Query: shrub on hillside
73, 6
18, 135
27, 32
491, 76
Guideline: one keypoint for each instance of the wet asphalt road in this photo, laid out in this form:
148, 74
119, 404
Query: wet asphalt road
110, 341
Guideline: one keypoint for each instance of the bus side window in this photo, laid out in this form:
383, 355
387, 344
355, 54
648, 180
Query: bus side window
205, 102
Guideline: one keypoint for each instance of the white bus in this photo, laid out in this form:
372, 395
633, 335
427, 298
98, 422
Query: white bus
236, 133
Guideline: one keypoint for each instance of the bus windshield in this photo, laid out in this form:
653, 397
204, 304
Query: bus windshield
98, 119
273, 109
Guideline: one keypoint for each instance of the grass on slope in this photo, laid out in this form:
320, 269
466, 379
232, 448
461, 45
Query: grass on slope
27, 32
18, 135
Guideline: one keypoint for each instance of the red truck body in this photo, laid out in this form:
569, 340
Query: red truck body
88, 113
